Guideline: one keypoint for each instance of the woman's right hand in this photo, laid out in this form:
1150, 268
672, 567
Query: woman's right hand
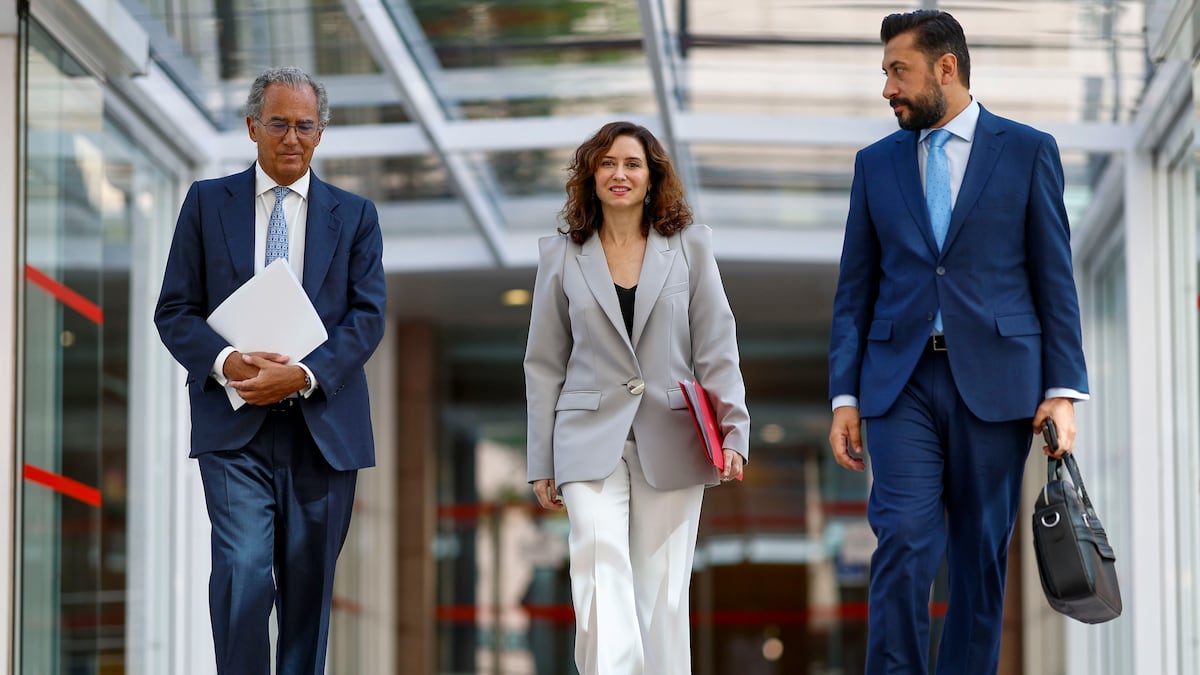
546, 495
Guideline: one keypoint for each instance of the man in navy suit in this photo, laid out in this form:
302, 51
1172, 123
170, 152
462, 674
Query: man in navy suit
955, 335
279, 472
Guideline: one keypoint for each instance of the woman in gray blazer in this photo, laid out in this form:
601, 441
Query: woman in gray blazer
628, 302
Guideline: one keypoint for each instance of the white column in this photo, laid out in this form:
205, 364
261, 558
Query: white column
159, 490
192, 651
9, 273
364, 624
1041, 626
1145, 574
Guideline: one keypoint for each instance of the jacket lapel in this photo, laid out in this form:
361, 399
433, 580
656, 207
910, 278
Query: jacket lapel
908, 174
656, 263
237, 223
321, 234
594, 265
985, 150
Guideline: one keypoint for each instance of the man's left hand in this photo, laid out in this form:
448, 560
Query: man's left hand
274, 382
1062, 410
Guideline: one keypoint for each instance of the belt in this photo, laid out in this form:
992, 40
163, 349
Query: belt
937, 343
286, 405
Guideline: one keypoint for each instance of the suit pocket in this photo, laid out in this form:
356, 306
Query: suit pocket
675, 399
1012, 325
673, 289
578, 400
881, 330
1001, 202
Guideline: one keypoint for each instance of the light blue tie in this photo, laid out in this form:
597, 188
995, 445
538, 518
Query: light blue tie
937, 194
277, 232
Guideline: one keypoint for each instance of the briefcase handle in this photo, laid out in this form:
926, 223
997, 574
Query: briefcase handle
1054, 466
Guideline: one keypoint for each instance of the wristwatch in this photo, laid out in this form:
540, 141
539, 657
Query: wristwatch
307, 380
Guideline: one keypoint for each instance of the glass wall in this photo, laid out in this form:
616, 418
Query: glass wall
1108, 474
1038, 59
1188, 472
563, 57
213, 50
88, 189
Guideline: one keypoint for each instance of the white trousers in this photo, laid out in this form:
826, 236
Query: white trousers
631, 548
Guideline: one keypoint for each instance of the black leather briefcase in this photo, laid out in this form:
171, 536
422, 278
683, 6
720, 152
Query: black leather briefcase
1075, 561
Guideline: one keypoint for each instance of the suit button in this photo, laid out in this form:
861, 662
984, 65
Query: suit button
929, 316
636, 386
940, 270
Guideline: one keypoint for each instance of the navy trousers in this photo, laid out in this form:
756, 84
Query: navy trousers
945, 483
279, 517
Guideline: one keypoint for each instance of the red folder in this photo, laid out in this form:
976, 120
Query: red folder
705, 419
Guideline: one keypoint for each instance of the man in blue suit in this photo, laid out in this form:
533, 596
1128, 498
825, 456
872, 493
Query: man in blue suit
955, 336
278, 473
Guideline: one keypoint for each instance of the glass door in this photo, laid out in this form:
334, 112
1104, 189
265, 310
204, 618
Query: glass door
89, 191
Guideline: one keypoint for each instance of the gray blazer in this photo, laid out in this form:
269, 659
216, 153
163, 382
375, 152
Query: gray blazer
579, 362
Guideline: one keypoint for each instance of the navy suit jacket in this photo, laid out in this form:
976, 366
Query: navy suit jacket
1003, 278
212, 254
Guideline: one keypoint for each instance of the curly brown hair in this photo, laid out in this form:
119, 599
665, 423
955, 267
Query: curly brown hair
665, 210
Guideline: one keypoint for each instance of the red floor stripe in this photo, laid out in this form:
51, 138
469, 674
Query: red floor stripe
63, 485
347, 605
847, 612
469, 511
66, 296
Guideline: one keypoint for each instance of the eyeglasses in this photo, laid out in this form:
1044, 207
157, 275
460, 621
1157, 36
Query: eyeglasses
280, 129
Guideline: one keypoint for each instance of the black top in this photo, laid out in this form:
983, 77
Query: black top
625, 296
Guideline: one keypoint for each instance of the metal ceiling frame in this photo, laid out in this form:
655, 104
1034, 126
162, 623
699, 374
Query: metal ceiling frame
393, 49
664, 67
410, 68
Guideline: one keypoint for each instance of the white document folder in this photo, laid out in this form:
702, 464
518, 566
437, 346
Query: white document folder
269, 313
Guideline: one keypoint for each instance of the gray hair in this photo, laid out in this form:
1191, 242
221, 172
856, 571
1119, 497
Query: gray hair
290, 76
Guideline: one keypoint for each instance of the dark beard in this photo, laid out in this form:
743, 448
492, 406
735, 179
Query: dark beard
924, 112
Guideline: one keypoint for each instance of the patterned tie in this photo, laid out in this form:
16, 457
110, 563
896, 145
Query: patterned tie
937, 194
277, 232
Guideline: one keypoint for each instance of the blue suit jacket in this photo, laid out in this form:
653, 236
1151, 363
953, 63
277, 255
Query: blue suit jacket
1003, 278
212, 255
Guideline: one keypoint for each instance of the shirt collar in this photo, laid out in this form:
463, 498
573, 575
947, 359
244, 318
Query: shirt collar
963, 124
264, 183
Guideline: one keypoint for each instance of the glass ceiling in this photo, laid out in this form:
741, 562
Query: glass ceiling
763, 102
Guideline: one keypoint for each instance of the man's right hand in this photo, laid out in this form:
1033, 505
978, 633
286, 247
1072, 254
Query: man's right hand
846, 434
237, 368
